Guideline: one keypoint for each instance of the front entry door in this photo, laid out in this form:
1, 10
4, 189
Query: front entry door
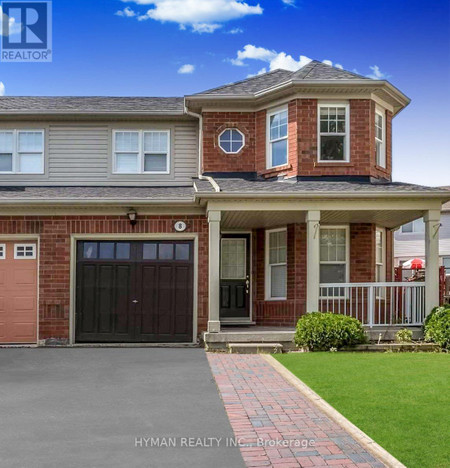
235, 276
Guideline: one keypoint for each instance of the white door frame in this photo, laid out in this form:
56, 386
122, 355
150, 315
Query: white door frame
74, 238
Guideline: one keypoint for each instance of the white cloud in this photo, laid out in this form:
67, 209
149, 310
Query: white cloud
126, 12
377, 74
203, 16
261, 72
235, 31
289, 2
13, 27
273, 58
205, 27
328, 62
2, 88
186, 69
338, 65
252, 52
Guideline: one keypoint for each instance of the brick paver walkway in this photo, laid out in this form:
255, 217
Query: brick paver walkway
275, 425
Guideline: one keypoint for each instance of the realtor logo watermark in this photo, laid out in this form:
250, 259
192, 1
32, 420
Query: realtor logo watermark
26, 30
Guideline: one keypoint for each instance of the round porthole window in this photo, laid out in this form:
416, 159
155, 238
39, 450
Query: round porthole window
231, 140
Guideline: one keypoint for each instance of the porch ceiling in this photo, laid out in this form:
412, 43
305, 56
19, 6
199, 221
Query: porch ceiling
267, 219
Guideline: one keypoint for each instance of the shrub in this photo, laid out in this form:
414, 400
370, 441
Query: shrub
437, 326
404, 336
324, 330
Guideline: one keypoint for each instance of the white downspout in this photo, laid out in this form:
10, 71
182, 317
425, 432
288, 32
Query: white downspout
214, 184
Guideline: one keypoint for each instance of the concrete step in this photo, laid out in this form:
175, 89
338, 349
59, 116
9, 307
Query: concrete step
255, 348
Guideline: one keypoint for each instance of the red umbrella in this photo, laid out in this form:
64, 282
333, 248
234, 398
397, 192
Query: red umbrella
414, 264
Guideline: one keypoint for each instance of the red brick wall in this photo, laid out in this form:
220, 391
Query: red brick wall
281, 313
362, 253
286, 313
54, 260
216, 160
302, 158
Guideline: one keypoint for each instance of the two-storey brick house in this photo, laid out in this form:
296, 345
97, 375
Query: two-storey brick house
155, 219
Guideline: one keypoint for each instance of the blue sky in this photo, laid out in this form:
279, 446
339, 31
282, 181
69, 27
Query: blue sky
143, 51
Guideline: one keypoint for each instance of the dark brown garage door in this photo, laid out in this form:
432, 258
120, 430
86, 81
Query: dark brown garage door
138, 291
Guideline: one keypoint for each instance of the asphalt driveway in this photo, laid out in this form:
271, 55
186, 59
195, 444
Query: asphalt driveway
100, 407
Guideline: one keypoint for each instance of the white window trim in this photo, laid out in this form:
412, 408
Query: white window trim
268, 140
347, 252
346, 135
268, 284
382, 161
140, 152
18, 257
243, 141
383, 254
2, 251
16, 153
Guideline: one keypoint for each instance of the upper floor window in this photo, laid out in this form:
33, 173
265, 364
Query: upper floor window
22, 151
142, 151
333, 132
231, 141
417, 226
380, 136
277, 138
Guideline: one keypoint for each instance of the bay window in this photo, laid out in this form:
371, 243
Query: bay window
334, 253
276, 277
22, 151
380, 136
277, 138
141, 151
333, 133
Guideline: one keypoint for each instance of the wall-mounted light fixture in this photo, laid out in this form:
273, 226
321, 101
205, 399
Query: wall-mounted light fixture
132, 216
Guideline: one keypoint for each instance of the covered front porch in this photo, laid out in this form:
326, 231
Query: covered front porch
271, 261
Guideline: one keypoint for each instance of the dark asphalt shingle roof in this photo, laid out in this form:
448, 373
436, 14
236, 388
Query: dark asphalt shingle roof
91, 104
93, 193
314, 70
236, 185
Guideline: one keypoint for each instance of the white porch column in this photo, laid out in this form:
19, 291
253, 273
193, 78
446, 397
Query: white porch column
312, 260
214, 271
432, 220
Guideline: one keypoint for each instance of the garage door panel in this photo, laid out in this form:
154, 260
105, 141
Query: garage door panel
18, 297
24, 304
24, 276
22, 331
148, 286
146, 297
165, 296
105, 298
122, 300
2, 331
183, 296
86, 298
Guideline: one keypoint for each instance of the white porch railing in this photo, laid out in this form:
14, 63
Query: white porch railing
375, 303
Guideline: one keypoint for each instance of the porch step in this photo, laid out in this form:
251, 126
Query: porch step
255, 348
251, 336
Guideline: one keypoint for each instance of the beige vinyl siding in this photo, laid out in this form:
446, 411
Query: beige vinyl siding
80, 153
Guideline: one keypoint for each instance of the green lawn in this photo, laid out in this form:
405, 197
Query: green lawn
401, 400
